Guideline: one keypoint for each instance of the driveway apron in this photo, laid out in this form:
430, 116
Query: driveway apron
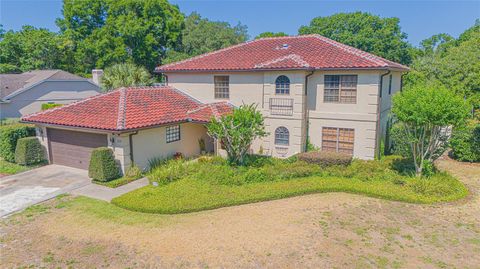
37, 185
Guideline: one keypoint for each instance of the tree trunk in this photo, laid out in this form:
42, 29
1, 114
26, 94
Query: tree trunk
418, 170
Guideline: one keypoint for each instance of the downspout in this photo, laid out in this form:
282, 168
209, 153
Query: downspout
401, 81
306, 109
379, 103
165, 79
130, 143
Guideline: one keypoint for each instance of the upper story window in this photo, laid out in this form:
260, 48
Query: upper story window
173, 133
282, 85
340, 89
222, 87
282, 136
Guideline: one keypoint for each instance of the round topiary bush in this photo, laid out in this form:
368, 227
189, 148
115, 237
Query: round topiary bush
103, 166
29, 151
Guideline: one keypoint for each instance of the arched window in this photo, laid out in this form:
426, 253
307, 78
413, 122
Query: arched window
282, 136
282, 85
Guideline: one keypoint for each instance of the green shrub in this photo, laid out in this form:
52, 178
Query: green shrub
50, 105
465, 142
155, 162
103, 166
29, 151
441, 184
9, 134
400, 143
133, 171
325, 158
170, 171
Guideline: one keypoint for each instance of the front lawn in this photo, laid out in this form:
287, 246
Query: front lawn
116, 182
195, 186
8, 168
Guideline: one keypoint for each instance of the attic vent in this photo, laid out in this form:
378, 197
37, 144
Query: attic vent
282, 47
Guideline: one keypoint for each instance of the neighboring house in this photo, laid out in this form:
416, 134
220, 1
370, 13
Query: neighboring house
137, 123
307, 87
22, 94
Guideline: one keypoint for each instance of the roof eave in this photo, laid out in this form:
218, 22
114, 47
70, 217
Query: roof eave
117, 131
160, 71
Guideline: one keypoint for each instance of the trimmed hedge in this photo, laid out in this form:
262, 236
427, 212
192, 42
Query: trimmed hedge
9, 134
465, 142
29, 151
103, 166
50, 105
324, 158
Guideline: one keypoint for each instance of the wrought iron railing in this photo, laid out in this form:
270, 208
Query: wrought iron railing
281, 106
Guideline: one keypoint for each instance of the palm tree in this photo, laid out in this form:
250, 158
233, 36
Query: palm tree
124, 75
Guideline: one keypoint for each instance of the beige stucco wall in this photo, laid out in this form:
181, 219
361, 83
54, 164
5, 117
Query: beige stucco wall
259, 87
61, 92
152, 143
361, 116
255, 88
386, 103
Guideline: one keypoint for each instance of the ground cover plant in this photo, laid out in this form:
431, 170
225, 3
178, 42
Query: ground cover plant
131, 174
210, 182
8, 168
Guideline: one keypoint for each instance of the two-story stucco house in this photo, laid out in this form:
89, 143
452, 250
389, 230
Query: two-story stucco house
309, 88
22, 94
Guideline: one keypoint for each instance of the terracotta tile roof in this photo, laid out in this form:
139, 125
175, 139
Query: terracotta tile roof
205, 112
280, 53
131, 108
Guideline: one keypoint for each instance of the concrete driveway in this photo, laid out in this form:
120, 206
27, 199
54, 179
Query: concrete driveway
37, 185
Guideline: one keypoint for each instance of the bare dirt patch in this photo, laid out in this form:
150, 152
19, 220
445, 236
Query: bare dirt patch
333, 230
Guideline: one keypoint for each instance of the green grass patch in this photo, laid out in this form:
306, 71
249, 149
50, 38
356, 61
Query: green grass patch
195, 186
13, 168
116, 182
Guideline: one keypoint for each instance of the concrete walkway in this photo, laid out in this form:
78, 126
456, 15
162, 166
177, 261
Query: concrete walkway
107, 194
22, 190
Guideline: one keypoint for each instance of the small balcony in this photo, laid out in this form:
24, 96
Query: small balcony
281, 106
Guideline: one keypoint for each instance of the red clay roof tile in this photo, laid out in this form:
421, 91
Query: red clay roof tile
280, 53
131, 108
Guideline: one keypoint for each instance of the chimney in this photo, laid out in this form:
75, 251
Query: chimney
97, 76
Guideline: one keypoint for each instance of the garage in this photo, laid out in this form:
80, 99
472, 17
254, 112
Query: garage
73, 148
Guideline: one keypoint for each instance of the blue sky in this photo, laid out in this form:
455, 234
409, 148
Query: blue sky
419, 19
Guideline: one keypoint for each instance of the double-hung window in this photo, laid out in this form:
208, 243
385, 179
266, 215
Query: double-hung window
222, 87
340, 89
173, 133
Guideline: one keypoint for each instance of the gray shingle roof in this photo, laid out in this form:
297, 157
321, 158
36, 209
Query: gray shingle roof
10, 83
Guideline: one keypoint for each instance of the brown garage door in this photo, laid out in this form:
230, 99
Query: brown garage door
72, 148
